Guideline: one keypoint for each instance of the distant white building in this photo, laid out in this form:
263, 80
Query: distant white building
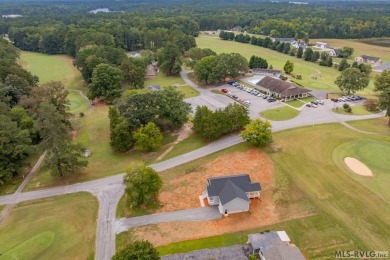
332, 52
11, 15
322, 45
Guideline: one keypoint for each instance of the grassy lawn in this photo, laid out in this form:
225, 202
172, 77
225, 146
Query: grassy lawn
123, 211
295, 103
375, 155
93, 132
378, 125
163, 80
217, 91
349, 214
189, 144
360, 47
276, 59
78, 103
356, 110
280, 114
53, 228
188, 91
325, 79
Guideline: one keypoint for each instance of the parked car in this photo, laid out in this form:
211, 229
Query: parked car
314, 102
224, 90
231, 82
335, 99
271, 99
321, 102
313, 105
247, 103
260, 95
234, 96
308, 104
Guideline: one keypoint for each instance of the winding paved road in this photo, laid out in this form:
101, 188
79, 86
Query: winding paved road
109, 190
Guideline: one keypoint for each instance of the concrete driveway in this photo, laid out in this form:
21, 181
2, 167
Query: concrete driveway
198, 214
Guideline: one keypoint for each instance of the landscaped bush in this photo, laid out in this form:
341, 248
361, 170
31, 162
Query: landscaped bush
371, 104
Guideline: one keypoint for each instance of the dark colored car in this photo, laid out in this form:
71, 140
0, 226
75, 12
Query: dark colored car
271, 100
234, 96
334, 99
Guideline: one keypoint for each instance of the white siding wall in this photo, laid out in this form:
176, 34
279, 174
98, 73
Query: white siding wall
235, 206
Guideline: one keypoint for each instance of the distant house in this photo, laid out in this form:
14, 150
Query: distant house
368, 59
273, 245
154, 87
151, 70
297, 44
236, 29
322, 45
268, 72
333, 52
134, 54
282, 89
231, 193
284, 40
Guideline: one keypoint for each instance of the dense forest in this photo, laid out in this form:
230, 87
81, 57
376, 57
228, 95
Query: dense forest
325, 19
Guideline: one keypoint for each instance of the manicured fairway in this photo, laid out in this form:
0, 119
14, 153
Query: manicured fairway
277, 60
57, 68
280, 114
348, 213
379, 125
50, 67
325, 75
374, 154
55, 228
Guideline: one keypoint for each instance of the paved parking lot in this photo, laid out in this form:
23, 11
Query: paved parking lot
258, 104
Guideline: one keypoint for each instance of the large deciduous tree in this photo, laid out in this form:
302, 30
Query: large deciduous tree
257, 132
142, 185
257, 62
121, 138
352, 80
382, 85
168, 59
14, 147
106, 82
137, 250
133, 71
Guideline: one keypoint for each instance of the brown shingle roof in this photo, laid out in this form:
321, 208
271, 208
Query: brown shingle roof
285, 89
366, 57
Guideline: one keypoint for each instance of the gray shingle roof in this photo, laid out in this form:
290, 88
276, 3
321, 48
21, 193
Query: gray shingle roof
227, 188
281, 87
375, 59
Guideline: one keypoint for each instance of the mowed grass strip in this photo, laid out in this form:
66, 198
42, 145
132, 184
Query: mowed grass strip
54, 228
349, 215
376, 125
356, 110
280, 114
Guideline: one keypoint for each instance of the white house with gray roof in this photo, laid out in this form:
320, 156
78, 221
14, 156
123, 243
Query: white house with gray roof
231, 193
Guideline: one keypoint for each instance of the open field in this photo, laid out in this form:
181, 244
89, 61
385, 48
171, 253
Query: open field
277, 60
360, 47
295, 103
348, 215
378, 125
55, 228
325, 75
93, 132
191, 143
356, 110
281, 113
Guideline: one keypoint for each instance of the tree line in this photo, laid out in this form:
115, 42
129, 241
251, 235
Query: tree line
34, 117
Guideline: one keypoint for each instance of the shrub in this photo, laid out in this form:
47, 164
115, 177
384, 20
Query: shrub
371, 104
346, 106
81, 114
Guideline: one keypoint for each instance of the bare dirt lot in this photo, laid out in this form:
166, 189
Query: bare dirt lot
182, 193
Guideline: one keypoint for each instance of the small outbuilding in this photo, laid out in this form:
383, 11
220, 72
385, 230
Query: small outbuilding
231, 193
322, 45
151, 70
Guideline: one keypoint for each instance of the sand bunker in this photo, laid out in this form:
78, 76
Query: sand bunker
357, 166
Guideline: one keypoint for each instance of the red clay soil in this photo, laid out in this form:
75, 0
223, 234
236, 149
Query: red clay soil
183, 193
